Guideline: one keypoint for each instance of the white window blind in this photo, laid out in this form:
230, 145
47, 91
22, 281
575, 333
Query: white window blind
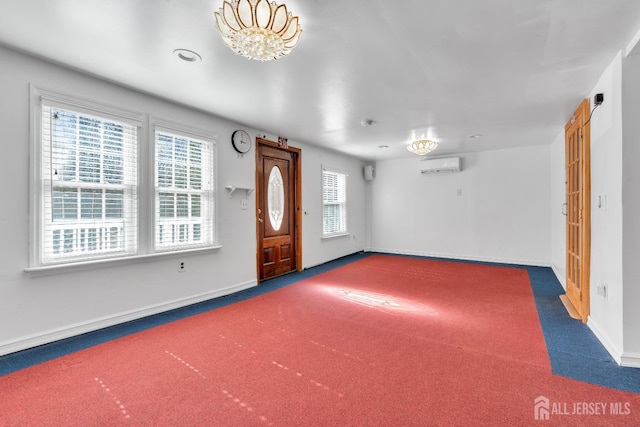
334, 203
88, 186
184, 200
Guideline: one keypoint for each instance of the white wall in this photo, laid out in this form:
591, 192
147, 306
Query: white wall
38, 310
615, 209
496, 209
631, 208
606, 218
313, 161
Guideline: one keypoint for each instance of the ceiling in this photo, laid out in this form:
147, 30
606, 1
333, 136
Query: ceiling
511, 70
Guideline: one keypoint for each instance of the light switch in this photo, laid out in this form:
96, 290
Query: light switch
602, 202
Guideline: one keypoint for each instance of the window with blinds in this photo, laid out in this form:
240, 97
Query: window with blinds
334, 203
88, 182
184, 198
96, 195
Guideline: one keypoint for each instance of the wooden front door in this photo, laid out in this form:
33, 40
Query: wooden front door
578, 199
278, 207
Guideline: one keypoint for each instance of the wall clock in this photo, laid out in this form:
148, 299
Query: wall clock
241, 141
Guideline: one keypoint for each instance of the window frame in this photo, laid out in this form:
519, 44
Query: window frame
175, 129
145, 184
96, 155
344, 204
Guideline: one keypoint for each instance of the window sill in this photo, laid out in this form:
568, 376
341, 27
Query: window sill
333, 236
71, 267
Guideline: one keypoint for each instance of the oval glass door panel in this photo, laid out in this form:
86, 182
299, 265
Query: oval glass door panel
275, 198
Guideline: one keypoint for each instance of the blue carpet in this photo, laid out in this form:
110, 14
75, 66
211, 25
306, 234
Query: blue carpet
573, 349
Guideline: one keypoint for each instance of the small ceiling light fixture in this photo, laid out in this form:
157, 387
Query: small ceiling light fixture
383, 147
187, 55
422, 146
257, 29
366, 123
475, 136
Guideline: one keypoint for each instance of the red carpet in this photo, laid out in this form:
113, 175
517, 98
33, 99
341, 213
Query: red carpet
384, 341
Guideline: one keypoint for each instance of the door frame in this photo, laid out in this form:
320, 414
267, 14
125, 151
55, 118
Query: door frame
581, 116
297, 234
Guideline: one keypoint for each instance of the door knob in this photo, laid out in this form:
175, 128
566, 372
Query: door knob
260, 220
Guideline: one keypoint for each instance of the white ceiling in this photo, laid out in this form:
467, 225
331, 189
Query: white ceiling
512, 70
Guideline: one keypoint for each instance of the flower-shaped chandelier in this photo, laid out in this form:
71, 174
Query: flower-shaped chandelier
422, 146
258, 29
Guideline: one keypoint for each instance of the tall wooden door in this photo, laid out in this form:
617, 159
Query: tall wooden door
278, 206
578, 199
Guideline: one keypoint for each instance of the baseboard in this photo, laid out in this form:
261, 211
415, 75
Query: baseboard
307, 267
462, 257
613, 350
630, 360
47, 337
560, 277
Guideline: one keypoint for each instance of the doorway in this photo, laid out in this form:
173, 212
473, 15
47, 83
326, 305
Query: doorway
578, 200
278, 209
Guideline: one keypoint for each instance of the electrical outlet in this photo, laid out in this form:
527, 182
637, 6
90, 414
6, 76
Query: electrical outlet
244, 204
182, 267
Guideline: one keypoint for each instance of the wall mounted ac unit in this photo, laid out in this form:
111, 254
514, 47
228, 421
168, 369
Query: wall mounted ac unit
449, 164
